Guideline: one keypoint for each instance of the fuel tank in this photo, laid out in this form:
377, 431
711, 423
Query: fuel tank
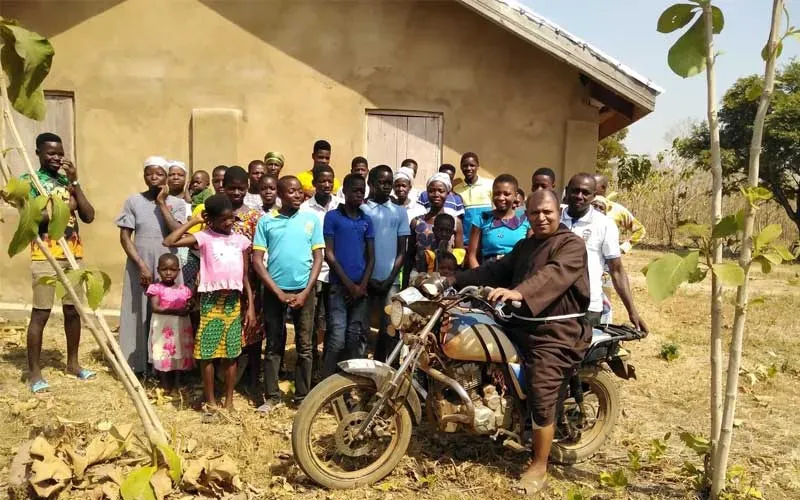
476, 336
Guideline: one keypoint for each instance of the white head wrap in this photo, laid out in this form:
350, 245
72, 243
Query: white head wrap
404, 173
443, 178
176, 163
156, 161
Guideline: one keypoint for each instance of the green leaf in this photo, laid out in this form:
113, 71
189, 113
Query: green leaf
756, 194
767, 236
687, 57
95, 290
772, 256
729, 273
172, 460
614, 480
717, 20
16, 191
59, 218
675, 17
136, 485
756, 301
726, 227
699, 444
695, 230
766, 265
784, 252
634, 457
30, 216
765, 52
665, 274
26, 58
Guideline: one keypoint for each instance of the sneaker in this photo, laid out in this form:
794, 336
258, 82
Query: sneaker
270, 405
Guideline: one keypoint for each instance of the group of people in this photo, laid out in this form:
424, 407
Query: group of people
217, 263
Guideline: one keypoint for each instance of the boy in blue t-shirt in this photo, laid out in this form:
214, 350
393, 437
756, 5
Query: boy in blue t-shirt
349, 243
293, 241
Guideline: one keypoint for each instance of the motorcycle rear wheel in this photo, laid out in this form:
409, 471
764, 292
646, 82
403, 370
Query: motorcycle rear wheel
339, 391
601, 385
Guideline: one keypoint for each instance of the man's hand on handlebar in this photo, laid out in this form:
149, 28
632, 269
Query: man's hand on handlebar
504, 295
638, 322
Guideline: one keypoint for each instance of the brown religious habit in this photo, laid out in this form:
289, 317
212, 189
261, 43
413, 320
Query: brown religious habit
552, 276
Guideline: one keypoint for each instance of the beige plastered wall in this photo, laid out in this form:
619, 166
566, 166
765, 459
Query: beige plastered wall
292, 72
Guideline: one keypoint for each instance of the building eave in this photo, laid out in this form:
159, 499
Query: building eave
559, 43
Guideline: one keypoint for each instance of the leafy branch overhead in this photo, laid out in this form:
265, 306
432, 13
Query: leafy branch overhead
687, 56
26, 57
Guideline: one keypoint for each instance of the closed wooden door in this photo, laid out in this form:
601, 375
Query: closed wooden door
393, 137
59, 119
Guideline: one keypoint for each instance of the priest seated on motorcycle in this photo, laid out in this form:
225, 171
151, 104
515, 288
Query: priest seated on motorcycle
548, 274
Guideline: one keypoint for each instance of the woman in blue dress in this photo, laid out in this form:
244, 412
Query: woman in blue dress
500, 229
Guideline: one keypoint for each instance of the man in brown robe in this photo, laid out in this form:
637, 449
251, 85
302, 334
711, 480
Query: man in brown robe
548, 274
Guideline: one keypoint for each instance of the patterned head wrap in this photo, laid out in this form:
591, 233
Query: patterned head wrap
274, 155
404, 173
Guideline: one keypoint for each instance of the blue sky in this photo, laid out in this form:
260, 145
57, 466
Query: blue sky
625, 29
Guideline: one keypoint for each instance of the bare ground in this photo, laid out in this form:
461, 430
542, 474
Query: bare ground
667, 397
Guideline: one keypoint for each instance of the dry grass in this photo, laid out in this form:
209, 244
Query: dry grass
668, 397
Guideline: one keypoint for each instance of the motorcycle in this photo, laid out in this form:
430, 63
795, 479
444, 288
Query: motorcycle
355, 426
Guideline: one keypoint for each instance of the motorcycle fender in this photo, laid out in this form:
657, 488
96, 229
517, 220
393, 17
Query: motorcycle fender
622, 368
380, 373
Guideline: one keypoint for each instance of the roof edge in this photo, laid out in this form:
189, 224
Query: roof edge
562, 45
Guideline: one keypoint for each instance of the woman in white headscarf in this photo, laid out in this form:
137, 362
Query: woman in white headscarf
425, 238
146, 219
403, 179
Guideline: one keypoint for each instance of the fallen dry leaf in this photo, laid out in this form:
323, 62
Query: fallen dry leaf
193, 472
191, 444
161, 483
41, 449
222, 470
104, 426
21, 407
107, 472
49, 476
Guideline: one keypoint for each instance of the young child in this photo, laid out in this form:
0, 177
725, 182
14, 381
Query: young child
443, 232
268, 188
295, 243
199, 188
223, 284
349, 251
171, 339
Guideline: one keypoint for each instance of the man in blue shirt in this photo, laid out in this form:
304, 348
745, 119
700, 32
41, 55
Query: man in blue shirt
391, 235
294, 243
350, 253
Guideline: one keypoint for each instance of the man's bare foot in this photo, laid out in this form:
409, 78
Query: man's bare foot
533, 480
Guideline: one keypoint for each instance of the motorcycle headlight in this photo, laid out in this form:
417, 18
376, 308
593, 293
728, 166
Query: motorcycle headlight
398, 314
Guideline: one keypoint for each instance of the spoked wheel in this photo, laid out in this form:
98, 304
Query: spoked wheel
584, 429
325, 437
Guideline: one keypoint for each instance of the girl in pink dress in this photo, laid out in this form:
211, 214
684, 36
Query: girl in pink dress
171, 341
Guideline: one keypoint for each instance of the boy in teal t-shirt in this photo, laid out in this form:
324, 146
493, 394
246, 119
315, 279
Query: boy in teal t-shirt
294, 243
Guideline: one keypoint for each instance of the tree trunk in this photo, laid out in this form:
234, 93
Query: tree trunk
716, 216
720, 454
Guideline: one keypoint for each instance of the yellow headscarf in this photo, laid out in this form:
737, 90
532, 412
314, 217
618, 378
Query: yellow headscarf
274, 155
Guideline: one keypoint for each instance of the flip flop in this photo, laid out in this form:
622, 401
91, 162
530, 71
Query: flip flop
531, 486
40, 386
86, 374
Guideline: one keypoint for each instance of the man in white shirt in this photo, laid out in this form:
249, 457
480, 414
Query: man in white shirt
321, 203
602, 245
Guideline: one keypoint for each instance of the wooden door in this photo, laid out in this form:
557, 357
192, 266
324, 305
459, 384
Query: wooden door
394, 136
59, 119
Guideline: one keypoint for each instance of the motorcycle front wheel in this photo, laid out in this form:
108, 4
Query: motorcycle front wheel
324, 434
591, 429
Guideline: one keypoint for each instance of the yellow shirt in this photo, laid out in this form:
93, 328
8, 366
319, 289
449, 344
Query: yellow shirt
197, 210
306, 179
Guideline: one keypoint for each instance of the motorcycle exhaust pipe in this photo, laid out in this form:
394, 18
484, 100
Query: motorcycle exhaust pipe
469, 418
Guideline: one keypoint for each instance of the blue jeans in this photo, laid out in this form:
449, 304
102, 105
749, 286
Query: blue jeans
349, 321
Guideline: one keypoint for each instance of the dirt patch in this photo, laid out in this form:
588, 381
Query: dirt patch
667, 397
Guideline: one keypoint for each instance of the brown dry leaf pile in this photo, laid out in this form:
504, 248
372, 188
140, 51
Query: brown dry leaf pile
668, 397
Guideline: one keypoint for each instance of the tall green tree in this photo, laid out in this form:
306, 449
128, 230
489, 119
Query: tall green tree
780, 154
611, 148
